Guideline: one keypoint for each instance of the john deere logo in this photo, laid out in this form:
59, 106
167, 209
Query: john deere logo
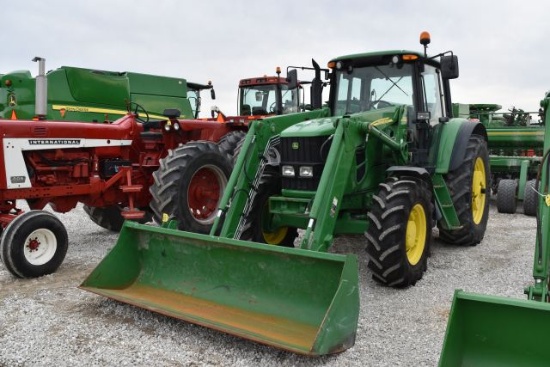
295, 145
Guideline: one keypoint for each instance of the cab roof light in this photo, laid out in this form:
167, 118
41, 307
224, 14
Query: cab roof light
409, 57
425, 38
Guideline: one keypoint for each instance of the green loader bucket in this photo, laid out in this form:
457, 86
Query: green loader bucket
496, 331
301, 301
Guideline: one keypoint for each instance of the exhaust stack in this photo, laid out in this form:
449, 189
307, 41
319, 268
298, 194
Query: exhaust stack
41, 89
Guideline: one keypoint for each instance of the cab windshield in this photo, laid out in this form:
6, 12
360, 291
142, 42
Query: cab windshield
263, 100
366, 88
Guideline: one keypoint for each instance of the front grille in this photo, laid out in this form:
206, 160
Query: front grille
304, 151
39, 131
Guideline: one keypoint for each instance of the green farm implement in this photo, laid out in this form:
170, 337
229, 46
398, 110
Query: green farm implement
515, 152
385, 158
490, 331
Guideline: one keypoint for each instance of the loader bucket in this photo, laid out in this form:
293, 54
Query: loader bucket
496, 331
302, 301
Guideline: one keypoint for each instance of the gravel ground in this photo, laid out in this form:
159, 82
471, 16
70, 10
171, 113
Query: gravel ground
50, 322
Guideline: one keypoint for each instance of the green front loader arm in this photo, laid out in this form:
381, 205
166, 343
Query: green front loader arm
541, 261
252, 158
324, 211
350, 133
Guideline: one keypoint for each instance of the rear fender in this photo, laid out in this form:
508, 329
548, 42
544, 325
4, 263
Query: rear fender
452, 142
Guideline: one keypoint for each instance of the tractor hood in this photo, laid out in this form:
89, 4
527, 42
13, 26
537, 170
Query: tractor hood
326, 126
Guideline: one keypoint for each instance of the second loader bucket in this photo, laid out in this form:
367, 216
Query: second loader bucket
496, 331
302, 301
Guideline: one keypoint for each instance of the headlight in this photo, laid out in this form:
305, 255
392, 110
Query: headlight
288, 171
176, 126
306, 171
168, 126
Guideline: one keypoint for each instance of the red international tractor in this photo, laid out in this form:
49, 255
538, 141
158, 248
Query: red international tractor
134, 168
107, 167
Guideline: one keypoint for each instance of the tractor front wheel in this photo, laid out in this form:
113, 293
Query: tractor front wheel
189, 185
259, 222
399, 234
469, 188
34, 244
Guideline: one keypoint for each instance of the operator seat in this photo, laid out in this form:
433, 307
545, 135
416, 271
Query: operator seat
246, 110
258, 111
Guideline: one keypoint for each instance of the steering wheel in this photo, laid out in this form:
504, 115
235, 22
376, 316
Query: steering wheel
272, 107
137, 109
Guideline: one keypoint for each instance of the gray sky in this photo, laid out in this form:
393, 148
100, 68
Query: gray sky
500, 44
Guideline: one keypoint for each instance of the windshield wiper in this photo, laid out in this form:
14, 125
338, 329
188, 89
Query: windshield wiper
390, 88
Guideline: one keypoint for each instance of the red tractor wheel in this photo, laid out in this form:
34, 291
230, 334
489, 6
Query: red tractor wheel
229, 141
34, 244
204, 192
189, 185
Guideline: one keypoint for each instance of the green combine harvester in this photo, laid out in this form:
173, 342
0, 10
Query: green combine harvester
89, 95
488, 331
385, 158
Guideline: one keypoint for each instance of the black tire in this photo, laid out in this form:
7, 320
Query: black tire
189, 185
110, 217
237, 151
257, 219
34, 244
530, 198
229, 141
506, 196
399, 234
469, 188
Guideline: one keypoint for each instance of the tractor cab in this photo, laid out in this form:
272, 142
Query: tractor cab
267, 95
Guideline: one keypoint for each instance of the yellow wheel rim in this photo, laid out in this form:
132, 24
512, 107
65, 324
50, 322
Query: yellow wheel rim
415, 237
479, 189
271, 237
275, 238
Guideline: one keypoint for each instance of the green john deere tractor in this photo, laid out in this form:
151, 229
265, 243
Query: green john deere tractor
385, 158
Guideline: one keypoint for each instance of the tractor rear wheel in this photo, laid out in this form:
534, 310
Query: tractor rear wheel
110, 217
257, 224
506, 196
399, 234
229, 141
470, 190
189, 185
530, 198
34, 244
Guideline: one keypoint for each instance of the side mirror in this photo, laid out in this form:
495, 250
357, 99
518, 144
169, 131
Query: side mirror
292, 79
449, 67
212, 93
